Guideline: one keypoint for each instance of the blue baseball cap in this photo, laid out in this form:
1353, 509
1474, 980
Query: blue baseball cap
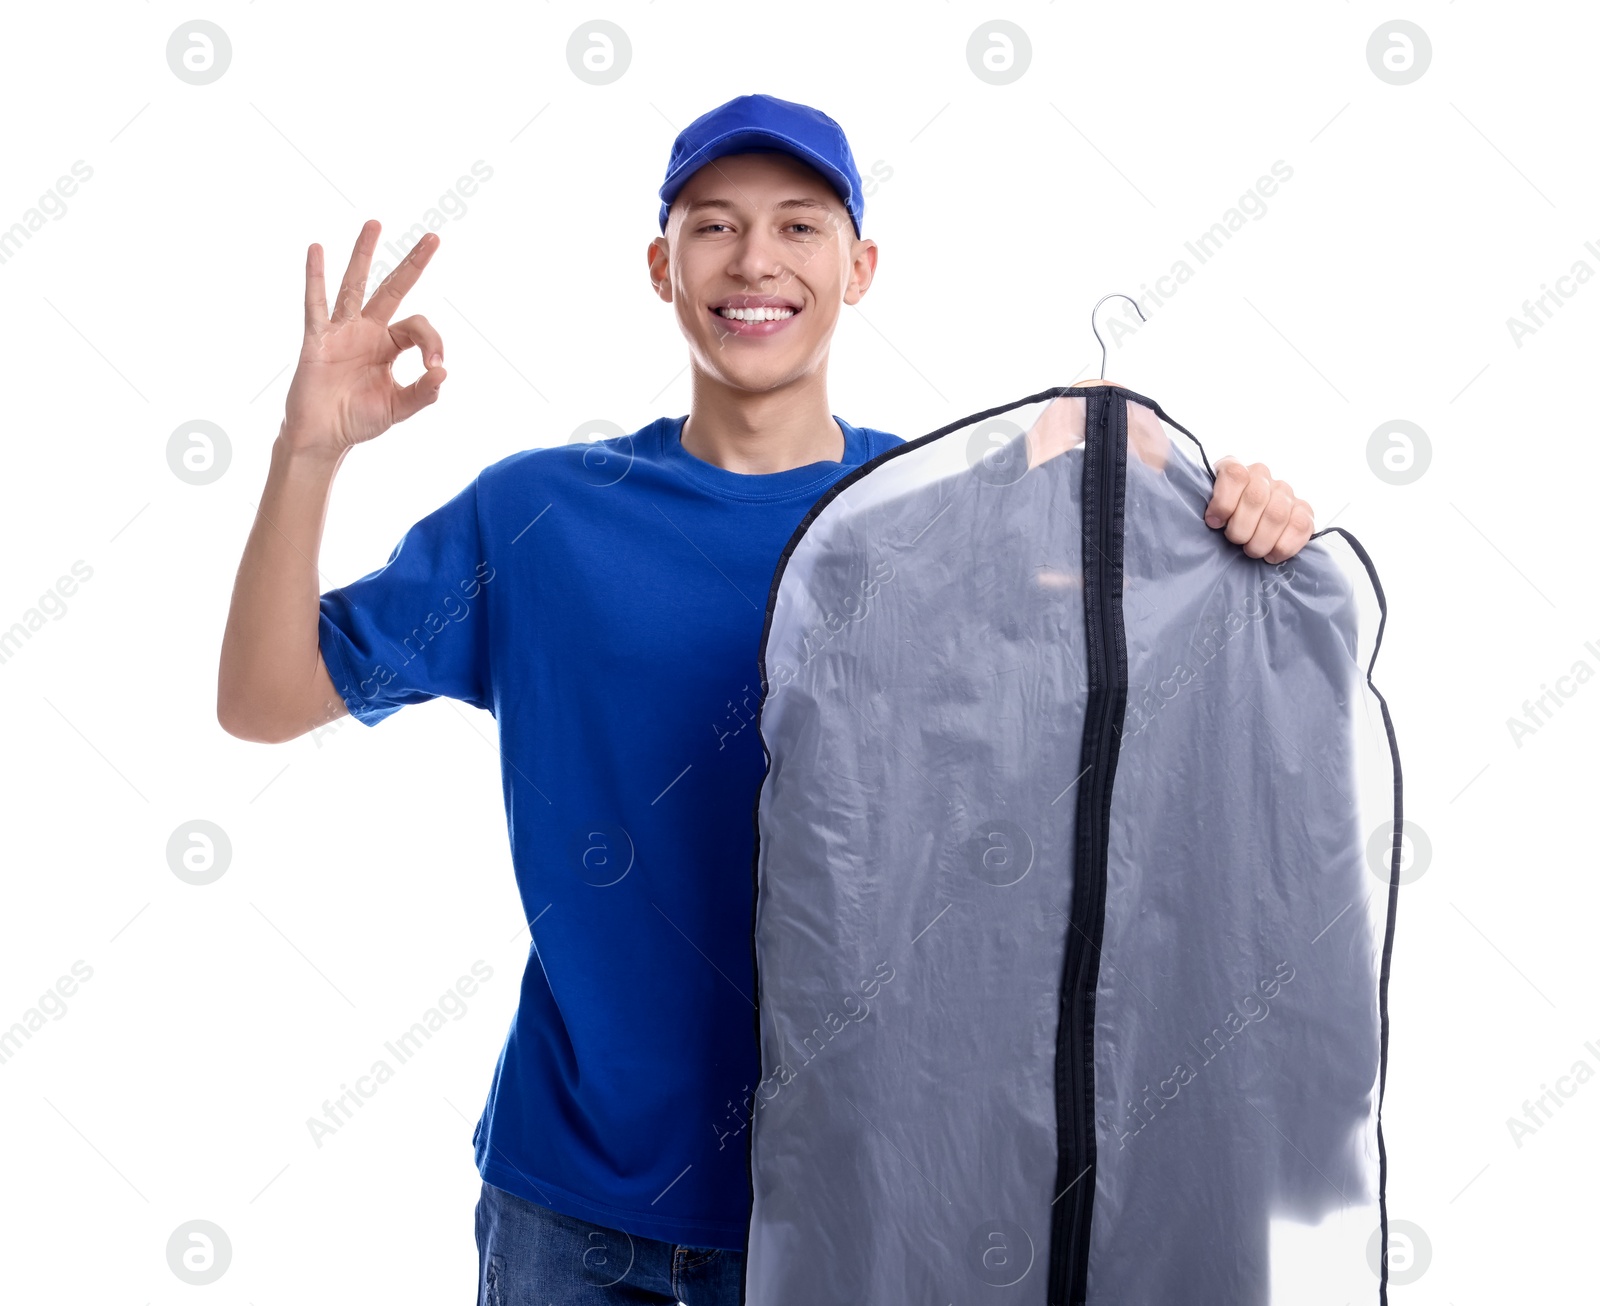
764, 124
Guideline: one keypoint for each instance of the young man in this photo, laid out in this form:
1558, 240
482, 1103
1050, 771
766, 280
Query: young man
605, 602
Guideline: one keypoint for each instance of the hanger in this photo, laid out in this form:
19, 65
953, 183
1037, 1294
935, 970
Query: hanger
1096, 329
1143, 430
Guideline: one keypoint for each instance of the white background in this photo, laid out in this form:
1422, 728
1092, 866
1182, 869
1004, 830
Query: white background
370, 869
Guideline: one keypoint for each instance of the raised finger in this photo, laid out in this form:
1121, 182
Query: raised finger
316, 291
354, 286
386, 298
417, 330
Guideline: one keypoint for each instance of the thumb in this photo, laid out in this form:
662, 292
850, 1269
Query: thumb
419, 394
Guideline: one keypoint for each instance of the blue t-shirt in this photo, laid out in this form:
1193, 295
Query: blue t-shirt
605, 602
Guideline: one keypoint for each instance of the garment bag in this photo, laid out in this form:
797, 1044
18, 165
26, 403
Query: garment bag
1077, 860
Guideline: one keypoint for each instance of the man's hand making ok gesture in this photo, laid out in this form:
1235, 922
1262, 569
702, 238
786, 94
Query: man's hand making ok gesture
272, 684
343, 391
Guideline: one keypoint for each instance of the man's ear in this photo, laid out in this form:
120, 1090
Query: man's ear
863, 266
658, 256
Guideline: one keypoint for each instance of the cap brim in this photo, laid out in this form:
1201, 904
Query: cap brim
751, 140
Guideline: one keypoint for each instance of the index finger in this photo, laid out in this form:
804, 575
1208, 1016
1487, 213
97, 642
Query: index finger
1232, 477
386, 298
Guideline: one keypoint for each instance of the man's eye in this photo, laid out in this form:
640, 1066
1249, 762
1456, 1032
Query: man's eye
709, 225
806, 225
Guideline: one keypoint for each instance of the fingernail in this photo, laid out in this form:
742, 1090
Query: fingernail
1213, 521
435, 359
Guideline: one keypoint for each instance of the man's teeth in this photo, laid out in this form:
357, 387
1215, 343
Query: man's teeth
756, 314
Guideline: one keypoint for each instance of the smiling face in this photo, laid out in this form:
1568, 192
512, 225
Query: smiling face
758, 255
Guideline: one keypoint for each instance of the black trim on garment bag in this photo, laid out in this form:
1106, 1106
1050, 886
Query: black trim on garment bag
1395, 851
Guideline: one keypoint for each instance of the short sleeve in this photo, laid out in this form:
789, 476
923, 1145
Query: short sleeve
418, 627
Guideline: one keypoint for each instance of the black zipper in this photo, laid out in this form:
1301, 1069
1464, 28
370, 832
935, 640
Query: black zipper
1104, 479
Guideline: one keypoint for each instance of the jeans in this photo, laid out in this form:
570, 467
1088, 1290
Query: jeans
529, 1255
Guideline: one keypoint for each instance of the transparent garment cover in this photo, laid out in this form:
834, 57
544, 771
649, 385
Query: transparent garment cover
1074, 886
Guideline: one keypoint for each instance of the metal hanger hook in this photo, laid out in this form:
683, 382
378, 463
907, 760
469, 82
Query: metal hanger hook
1093, 327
